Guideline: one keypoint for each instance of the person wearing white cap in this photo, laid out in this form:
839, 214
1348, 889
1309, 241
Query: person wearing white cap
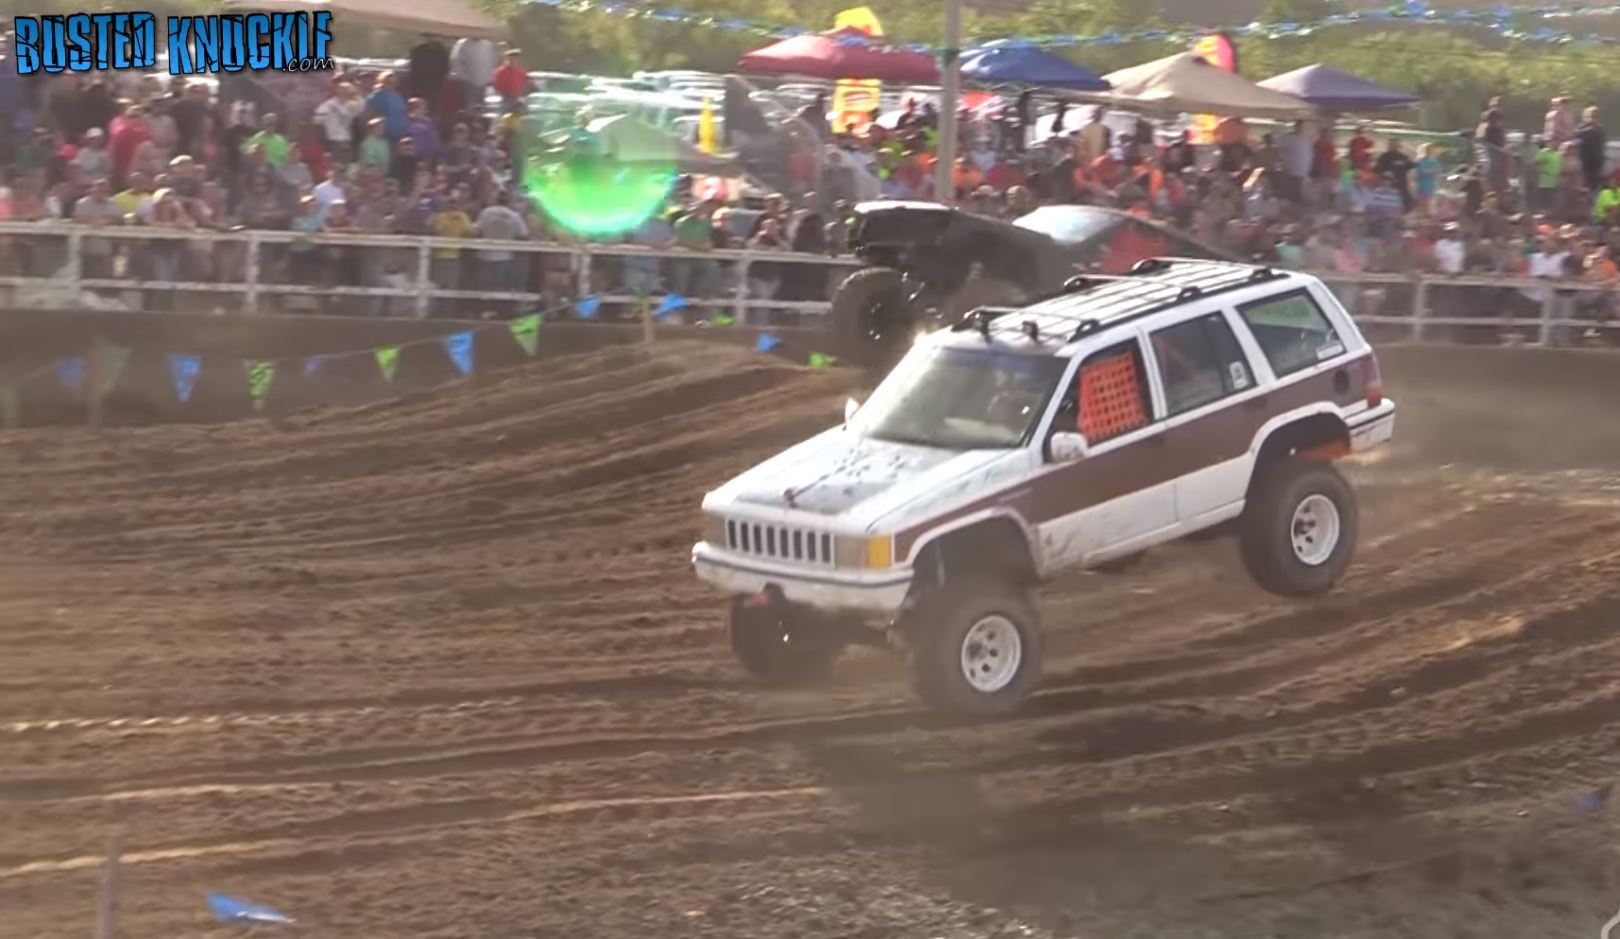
93, 158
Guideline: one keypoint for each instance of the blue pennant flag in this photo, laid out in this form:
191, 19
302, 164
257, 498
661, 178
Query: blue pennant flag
766, 343
232, 910
185, 369
459, 346
587, 306
71, 371
670, 304
313, 364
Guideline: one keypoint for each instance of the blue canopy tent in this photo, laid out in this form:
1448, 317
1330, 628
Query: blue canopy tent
1008, 64
1329, 89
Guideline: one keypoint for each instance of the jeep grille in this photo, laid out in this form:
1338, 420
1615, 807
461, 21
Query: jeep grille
781, 542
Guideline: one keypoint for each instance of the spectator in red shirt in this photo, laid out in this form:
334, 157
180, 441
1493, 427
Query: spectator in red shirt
1360, 151
125, 134
1005, 174
511, 81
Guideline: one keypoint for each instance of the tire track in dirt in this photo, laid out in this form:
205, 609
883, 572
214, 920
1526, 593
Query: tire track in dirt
321, 647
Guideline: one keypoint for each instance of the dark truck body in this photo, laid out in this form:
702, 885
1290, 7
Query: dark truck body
926, 264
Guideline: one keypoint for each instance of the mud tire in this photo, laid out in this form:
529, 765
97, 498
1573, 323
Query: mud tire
869, 319
940, 629
780, 644
1294, 507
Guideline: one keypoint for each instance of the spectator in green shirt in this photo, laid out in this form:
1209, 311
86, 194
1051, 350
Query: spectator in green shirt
1549, 166
374, 149
1608, 200
276, 147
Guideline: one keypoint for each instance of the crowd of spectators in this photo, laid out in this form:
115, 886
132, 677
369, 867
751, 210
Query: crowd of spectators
423, 151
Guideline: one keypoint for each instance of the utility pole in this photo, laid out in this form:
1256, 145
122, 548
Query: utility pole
951, 76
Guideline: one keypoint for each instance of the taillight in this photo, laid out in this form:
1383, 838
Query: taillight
1372, 380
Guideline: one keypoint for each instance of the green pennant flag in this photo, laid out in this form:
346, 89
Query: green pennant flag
388, 361
820, 360
113, 360
526, 330
723, 319
260, 377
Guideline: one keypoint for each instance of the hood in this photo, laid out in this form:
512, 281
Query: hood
837, 471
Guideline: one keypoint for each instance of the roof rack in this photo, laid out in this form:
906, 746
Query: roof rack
1153, 285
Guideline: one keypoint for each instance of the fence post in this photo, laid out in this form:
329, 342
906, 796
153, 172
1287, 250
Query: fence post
1549, 312
741, 296
75, 260
424, 275
250, 300
648, 334
1420, 307
580, 255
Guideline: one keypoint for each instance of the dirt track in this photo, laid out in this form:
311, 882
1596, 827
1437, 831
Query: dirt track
438, 668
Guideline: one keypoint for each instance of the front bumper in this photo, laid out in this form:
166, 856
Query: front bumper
823, 588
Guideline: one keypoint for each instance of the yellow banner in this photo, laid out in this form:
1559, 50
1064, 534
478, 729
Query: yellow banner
1217, 50
854, 100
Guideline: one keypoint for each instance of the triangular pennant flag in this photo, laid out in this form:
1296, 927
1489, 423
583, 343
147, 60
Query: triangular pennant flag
766, 342
670, 304
587, 306
388, 360
459, 346
260, 376
722, 319
821, 360
232, 910
526, 330
185, 369
313, 364
71, 372
113, 360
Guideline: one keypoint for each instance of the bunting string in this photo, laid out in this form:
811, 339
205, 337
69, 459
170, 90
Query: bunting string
260, 374
1507, 22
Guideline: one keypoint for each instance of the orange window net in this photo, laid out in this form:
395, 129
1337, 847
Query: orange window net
1110, 398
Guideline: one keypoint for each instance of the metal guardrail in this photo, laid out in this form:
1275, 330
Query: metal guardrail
255, 285
1421, 304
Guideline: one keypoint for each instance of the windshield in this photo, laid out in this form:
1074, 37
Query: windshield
961, 399
1066, 224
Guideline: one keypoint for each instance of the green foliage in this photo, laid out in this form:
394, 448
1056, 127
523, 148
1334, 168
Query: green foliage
1295, 11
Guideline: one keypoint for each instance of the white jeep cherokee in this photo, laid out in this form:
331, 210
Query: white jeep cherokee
1019, 443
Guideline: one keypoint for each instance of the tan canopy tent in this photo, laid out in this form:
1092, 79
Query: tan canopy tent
1186, 84
450, 18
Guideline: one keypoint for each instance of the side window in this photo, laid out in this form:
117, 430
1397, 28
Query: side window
1113, 394
1292, 331
1200, 361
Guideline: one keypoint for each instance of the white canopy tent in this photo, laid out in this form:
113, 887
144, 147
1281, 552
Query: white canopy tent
1186, 84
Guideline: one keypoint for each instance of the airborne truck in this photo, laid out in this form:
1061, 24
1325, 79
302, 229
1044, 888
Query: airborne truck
1187, 398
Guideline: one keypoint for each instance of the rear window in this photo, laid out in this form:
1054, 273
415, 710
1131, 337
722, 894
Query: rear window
1292, 331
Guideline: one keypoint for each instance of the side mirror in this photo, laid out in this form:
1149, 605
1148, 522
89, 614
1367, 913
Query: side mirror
1068, 446
850, 407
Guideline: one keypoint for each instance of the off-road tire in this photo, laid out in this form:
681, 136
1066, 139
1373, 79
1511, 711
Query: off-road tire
981, 291
867, 301
1274, 510
782, 644
938, 629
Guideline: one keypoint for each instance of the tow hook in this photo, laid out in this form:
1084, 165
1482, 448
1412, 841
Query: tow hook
770, 596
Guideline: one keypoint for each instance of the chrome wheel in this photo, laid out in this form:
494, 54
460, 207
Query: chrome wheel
1315, 529
992, 651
